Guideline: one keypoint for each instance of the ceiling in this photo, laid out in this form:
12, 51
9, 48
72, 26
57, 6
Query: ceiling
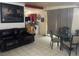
49, 4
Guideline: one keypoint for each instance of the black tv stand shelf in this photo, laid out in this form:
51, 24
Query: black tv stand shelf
12, 38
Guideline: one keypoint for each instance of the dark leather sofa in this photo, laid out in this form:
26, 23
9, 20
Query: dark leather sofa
12, 38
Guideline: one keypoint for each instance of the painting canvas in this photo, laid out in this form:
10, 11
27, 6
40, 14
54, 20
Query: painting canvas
42, 19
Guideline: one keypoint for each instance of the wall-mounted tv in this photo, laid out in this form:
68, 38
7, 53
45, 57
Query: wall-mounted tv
0, 12
12, 13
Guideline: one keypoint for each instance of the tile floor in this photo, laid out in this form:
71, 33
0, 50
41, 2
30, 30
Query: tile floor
41, 47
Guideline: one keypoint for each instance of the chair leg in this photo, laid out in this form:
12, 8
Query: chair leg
69, 52
76, 49
57, 43
51, 44
61, 46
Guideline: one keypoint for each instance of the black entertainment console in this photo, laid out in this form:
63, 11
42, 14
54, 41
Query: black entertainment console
12, 38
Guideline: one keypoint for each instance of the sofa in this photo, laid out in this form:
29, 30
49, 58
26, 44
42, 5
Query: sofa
12, 38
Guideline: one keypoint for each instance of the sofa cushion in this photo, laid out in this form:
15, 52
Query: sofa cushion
6, 33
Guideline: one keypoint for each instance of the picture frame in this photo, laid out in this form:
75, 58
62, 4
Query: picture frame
42, 19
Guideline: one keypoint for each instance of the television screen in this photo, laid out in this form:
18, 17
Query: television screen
12, 13
0, 12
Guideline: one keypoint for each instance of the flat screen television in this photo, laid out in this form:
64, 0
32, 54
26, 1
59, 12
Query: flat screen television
0, 12
12, 13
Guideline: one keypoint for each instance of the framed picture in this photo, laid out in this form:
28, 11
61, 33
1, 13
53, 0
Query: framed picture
42, 19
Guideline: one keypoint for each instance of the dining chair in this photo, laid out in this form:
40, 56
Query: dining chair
54, 39
67, 41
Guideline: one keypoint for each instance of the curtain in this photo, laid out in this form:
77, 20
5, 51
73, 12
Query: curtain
59, 18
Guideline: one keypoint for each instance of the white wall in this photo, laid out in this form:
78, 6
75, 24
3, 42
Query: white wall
43, 13
60, 7
12, 25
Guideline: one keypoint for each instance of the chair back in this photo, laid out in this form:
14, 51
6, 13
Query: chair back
51, 35
65, 33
